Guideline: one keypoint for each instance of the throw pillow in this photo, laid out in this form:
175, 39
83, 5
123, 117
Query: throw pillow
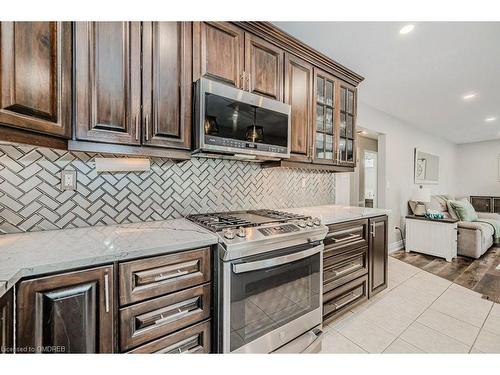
464, 210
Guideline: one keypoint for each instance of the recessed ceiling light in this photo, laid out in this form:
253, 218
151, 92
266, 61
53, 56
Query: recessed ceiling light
406, 29
490, 119
469, 96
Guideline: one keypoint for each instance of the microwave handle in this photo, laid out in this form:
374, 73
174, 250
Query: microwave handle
268, 263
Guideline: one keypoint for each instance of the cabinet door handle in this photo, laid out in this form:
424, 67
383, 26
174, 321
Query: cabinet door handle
137, 127
373, 230
243, 82
146, 124
106, 292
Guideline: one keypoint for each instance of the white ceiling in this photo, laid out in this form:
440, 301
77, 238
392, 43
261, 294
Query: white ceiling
420, 77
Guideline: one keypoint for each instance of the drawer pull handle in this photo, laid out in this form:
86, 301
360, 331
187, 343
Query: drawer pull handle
171, 317
348, 301
167, 276
346, 270
346, 231
168, 314
190, 344
154, 275
345, 239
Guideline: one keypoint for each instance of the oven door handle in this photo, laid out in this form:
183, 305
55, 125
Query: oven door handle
268, 263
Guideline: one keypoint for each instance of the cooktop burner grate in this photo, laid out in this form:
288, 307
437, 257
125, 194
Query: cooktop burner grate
220, 220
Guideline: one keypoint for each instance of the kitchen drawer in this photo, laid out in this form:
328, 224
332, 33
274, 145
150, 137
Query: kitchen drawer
194, 339
342, 268
346, 236
345, 297
152, 277
147, 321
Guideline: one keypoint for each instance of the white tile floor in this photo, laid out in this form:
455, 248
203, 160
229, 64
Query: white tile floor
418, 313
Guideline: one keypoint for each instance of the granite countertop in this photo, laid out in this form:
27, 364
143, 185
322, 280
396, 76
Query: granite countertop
28, 254
331, 214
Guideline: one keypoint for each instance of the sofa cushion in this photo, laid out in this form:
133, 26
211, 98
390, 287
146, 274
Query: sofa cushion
485, 228
464, 210
451, 211
439, 203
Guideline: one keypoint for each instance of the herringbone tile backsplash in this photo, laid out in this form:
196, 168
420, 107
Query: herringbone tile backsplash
31, 198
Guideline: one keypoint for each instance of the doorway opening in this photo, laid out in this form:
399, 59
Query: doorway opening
364, 182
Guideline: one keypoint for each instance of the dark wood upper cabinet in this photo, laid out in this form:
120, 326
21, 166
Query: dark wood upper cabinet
263, 67
219, 52
71, 312
108, 81
378, 254
325, 115
347, 125
166, 84
7, 323
35, 76
299, 94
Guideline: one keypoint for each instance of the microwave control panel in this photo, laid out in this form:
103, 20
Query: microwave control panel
235, 143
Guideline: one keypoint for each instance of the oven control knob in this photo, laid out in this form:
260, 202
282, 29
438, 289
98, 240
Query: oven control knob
242, 232
228, 233
302, 223
317, 221
309, 222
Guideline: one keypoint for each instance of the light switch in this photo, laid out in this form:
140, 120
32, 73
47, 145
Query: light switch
68, 179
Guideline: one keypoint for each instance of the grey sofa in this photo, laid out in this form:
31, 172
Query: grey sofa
474, 238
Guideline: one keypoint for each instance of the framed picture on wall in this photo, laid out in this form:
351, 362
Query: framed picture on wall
420, 169
426, 168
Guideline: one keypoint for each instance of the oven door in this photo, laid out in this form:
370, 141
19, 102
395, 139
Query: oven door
269, 300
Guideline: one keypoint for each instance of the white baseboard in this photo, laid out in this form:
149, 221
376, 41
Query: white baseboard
395, 246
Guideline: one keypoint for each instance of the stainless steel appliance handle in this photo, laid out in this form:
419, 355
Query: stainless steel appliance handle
267, 263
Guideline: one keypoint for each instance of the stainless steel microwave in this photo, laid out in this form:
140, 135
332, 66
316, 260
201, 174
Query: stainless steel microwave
233, 121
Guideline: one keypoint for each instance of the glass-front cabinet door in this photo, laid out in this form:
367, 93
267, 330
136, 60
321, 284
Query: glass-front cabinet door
347, 126
325, 103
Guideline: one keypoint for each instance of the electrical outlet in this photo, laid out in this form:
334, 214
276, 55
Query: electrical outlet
68, 179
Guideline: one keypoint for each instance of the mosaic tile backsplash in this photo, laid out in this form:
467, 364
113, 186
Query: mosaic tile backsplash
31, 198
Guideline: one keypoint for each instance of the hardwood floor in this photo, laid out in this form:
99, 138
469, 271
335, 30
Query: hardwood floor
480, 275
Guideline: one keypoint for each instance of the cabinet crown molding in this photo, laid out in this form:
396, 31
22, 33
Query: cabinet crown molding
273, 34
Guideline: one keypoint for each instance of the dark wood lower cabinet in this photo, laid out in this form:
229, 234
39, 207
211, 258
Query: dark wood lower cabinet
7, 322
344, 298
67, 313
152, 319
194, 339
378, 254
354, 264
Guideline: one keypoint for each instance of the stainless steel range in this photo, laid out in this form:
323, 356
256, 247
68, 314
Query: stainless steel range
268, 280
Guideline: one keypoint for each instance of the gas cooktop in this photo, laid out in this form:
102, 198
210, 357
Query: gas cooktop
243, 219
245, 233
